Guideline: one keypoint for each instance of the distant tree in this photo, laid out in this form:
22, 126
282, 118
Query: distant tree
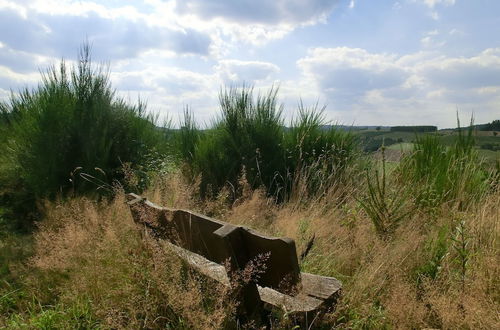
493, 126
378, 128
420, 129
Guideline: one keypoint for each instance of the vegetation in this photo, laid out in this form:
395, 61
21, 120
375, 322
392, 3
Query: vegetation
413, 129
249, 137
493, 126
385, 205
70, 128
445, 174
419, 230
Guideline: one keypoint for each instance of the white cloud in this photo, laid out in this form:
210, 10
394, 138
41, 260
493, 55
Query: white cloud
434, 3
11, 80
345, 74
253, 21
259, 11
57, 28
482, 70
235, 71
431, 40
371, 86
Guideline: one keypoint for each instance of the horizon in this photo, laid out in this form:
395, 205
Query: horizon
389, 63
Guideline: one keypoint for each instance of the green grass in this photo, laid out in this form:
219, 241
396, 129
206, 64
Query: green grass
386, 203
489, 156
441, 173
404, 146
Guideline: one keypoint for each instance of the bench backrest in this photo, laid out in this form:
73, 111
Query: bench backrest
217, 241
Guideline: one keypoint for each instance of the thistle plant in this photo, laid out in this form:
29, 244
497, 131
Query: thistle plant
385, 206
463, 253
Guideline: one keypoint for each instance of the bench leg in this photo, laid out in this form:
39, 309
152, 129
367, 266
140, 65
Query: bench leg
249, 309
244, 288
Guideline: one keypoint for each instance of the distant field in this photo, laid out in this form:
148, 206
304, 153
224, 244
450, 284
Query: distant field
404, 146
487, 143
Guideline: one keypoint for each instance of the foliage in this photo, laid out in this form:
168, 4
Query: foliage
317, 159
445, 174
72, 120
385, 205
249, 136
414, 129
493, 126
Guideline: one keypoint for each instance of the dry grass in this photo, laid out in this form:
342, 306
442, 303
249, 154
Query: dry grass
86, 251
387, 282
92, 252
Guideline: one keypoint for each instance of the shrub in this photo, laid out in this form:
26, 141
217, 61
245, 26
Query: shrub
73, 120
317, 158
249, 137
414, 129
493, 126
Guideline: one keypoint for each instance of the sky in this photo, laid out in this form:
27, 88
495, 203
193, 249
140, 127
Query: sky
384, 62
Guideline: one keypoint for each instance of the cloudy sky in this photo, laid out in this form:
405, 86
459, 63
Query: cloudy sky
370, 62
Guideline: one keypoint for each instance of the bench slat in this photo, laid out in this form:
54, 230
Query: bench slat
321, 287
293, 304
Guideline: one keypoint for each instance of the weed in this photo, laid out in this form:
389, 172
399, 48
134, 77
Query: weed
386, 207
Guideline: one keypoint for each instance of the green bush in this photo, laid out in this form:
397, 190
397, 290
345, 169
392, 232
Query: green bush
249, 136
72, 120
317, 158
493, 126
386, 204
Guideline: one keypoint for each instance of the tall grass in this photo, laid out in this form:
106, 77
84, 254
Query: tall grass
73, 119
386, 203
92, 268
445, 174
318, 158
249, 137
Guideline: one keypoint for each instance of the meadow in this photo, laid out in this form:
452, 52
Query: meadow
414, 239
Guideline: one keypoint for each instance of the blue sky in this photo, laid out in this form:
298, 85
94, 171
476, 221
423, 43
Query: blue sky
370, 62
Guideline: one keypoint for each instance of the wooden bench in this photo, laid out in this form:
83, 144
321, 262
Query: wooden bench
219, 250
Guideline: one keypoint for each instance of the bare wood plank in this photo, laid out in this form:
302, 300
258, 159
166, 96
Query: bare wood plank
202, 265
292, 304
321, 287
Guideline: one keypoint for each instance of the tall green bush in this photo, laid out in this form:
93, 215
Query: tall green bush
317, 157
250, 136
73, 120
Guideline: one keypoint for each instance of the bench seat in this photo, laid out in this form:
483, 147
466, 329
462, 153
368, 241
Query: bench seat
317, 291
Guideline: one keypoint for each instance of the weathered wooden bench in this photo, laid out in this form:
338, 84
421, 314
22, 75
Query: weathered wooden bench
209, 246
